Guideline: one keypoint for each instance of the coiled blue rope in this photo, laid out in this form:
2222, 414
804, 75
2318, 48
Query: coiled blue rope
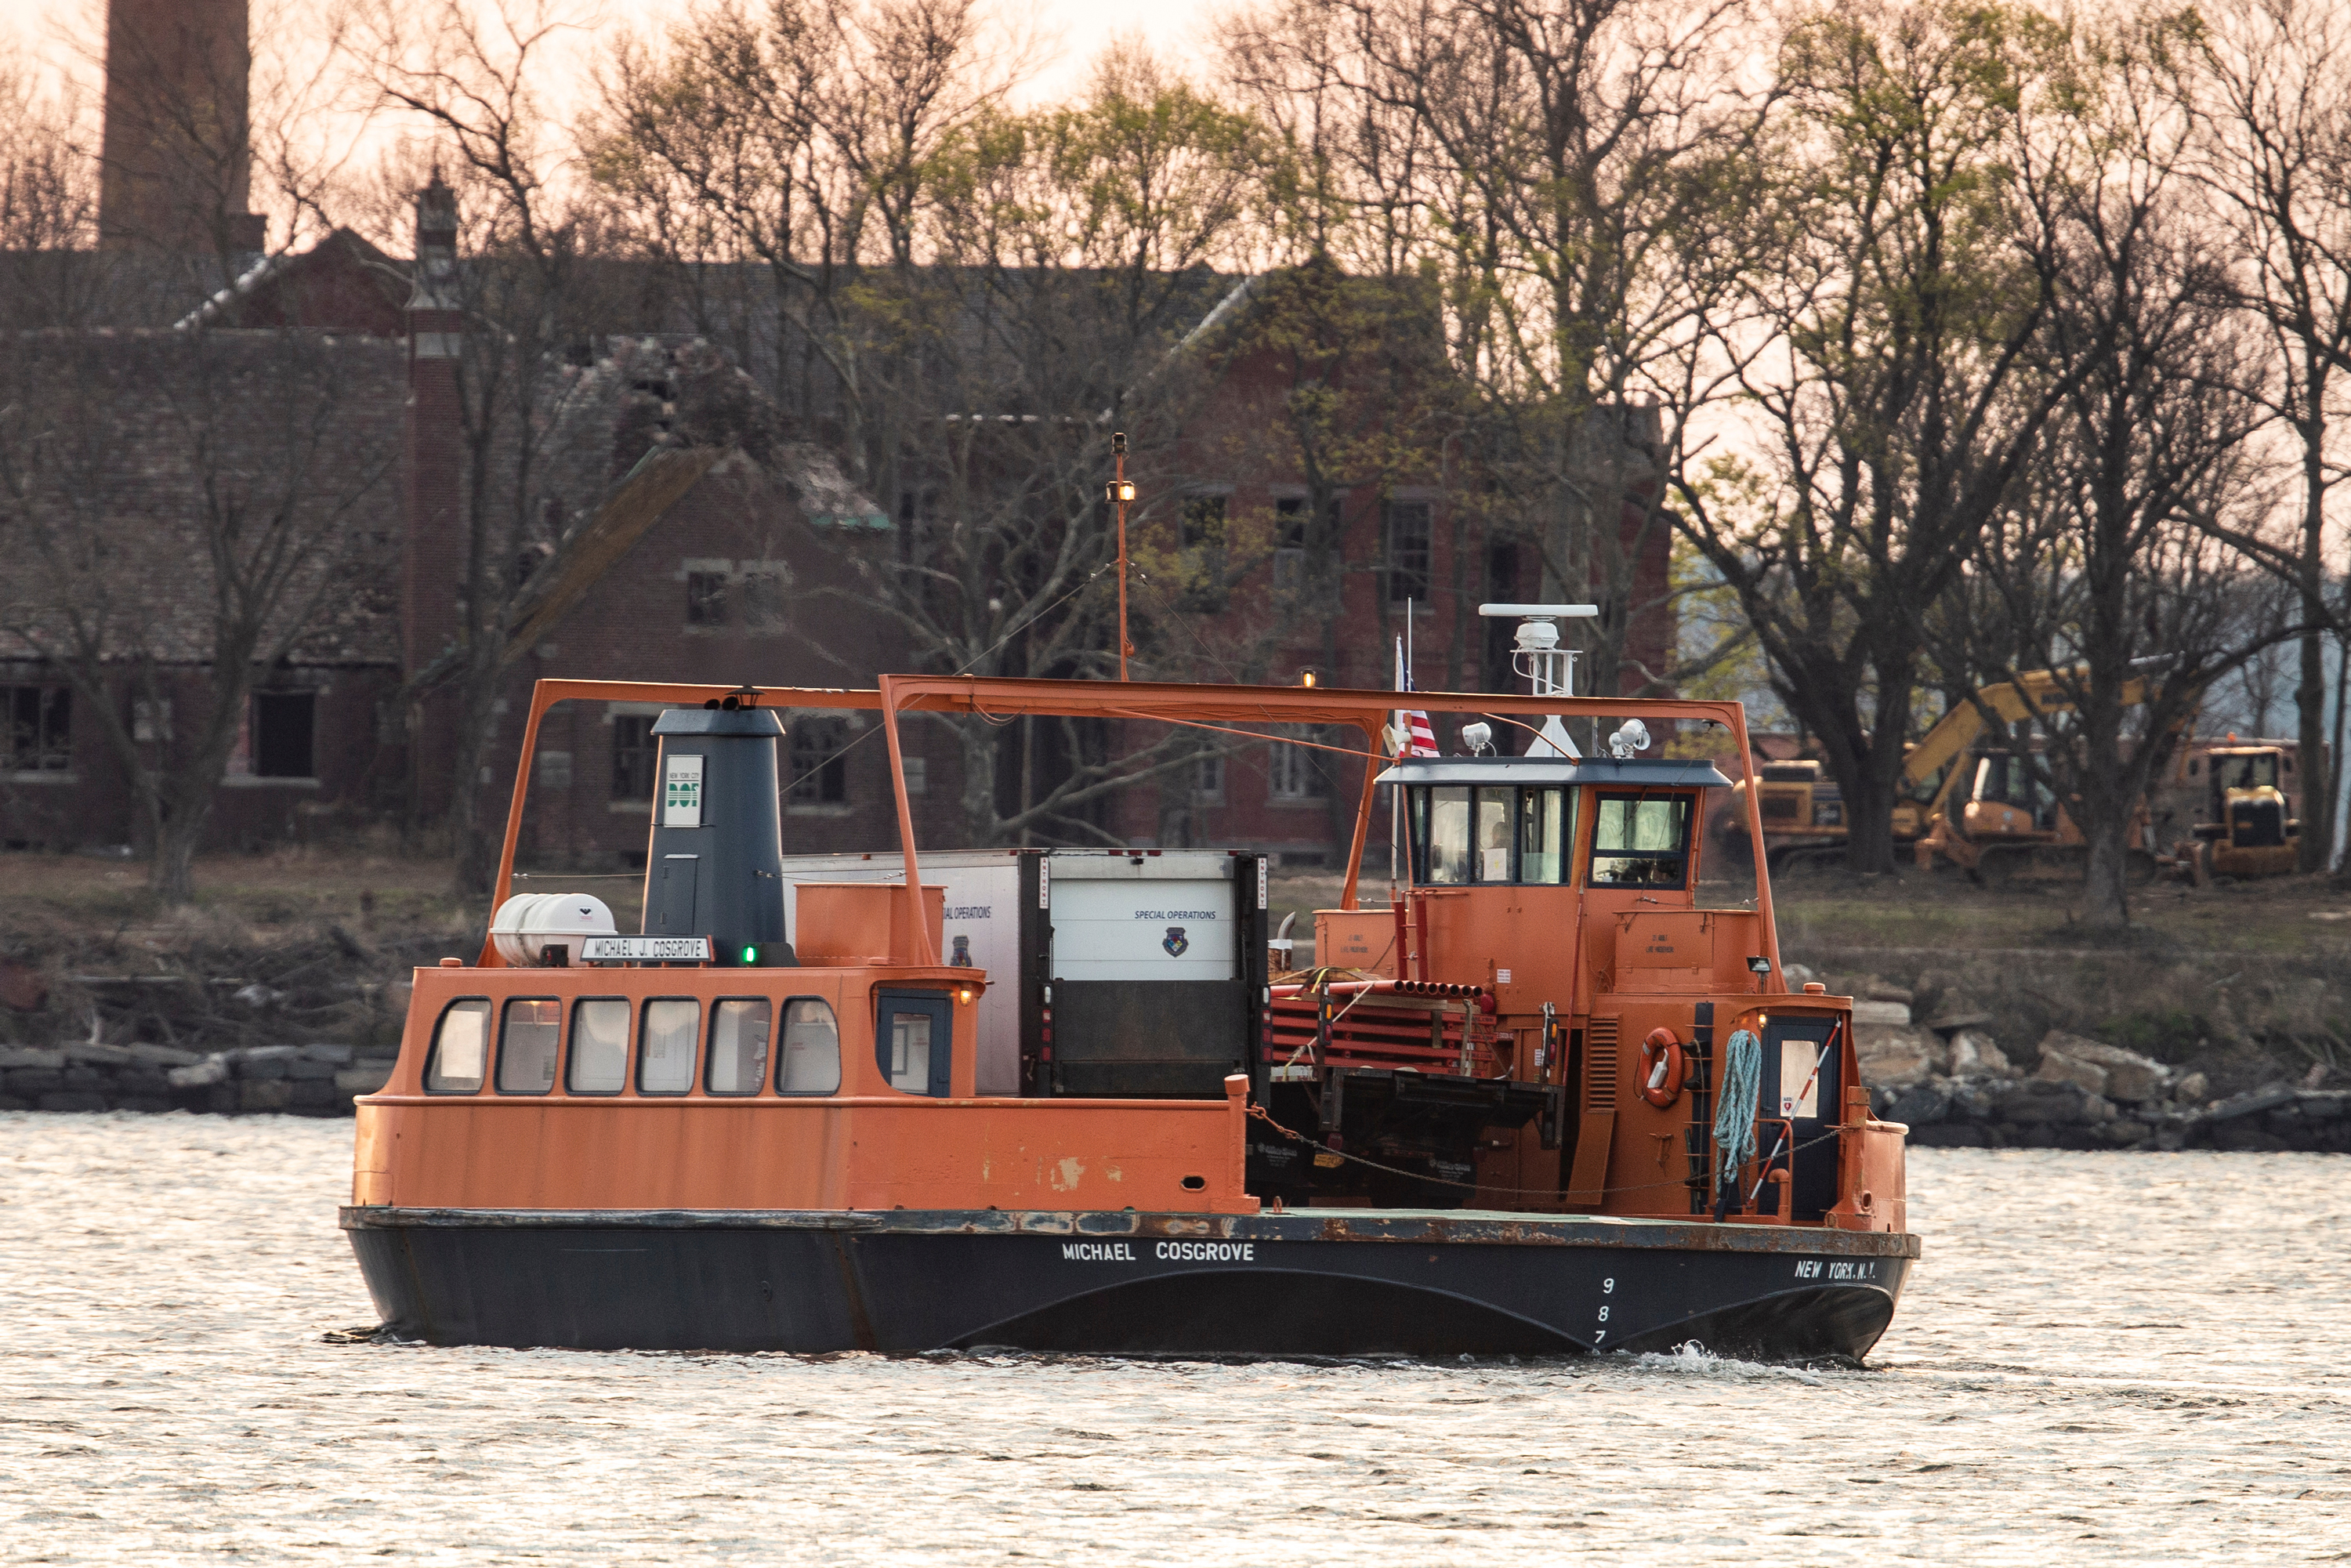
1734, 1105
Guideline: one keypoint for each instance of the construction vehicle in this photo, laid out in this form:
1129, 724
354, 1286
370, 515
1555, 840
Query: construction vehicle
1802, 809
1985, 810
2236, 798
1803, 814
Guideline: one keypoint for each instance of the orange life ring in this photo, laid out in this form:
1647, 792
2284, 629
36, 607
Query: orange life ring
1662, 1068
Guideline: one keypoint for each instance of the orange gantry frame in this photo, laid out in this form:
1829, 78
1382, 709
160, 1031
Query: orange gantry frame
1613, 964
1221, 709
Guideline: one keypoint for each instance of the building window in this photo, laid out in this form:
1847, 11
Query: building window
705, 598
151, 721
1294, 772
284, 725
1203, 540
820, 770
1208, 780
40, 729
555, 771
1407, 550
918, 775
634, 750
1290, 515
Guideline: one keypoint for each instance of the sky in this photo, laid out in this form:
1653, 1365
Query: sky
56, 31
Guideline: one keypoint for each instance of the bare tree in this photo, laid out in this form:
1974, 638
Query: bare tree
2106, 563
177, 510
49, 208
2275, 86
1573, 175
502, 270
1897, 405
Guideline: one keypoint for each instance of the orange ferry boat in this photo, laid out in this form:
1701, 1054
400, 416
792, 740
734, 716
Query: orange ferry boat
1544, 1102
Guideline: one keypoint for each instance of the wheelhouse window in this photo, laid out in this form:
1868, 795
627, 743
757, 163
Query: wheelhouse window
738, 1045
461, 1046
599, 1047
1545, 828
529, 1037
809, 1062
667, 1045
1641, 841
1461, 834
1440, 835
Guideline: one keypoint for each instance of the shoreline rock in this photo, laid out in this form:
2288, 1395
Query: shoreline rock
316, 1080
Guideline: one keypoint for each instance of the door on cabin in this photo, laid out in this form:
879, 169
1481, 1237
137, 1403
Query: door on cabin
913, 1042
1803, 1092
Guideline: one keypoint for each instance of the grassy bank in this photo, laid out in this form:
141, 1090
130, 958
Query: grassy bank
2245, 983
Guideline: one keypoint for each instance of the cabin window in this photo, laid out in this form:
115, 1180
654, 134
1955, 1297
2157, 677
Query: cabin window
811, 1060
1462, 835
1545, 828
528, 1037
738, 1045
665, 1047
461, 1043
599, 1047
1492, 833
1641, 841
912, 1041
1443, 838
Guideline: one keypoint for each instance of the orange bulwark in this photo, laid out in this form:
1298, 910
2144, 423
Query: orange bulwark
838, 1137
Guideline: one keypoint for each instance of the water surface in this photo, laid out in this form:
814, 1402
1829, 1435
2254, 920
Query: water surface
2101, 1358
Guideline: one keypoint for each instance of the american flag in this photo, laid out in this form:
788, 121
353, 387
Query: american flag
1417, 737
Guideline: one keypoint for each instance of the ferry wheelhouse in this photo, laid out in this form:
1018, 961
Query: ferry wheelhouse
1542, 1100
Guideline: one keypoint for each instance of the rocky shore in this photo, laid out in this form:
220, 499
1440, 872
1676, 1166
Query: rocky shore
1953, 1083
299, 1079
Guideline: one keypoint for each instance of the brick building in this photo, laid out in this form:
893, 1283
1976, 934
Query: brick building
1331, 540
700, 527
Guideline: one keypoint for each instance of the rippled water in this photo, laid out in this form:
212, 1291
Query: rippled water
2102, 1357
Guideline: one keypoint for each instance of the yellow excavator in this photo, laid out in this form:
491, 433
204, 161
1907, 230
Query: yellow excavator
1985, 811
1989, 812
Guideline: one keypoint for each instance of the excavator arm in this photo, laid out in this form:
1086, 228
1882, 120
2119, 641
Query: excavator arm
2035, 691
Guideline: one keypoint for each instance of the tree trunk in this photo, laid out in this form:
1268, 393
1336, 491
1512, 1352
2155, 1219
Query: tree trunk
1869, 820
174, 875
2105, 887
2314, 768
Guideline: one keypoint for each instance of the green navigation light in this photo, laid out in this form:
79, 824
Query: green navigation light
750, 953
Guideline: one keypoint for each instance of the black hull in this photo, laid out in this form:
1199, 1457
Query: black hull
1306, 1283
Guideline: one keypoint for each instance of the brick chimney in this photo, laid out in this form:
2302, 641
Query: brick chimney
176, 159
433, 460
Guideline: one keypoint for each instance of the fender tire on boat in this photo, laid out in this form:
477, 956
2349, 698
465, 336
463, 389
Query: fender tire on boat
1662, 1092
